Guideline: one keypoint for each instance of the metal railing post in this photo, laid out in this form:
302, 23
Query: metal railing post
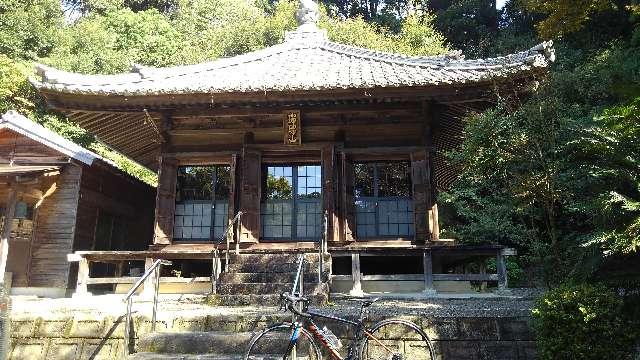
127, 328
153, 269
155, 298
298, 271
238, 233
215, 270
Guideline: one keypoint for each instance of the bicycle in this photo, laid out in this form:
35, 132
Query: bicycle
390, 339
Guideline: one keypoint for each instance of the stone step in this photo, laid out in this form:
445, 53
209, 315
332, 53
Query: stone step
270, 267
277, 278
217, 342
266, 288
154, 356
255, 299
268, 257
229, 344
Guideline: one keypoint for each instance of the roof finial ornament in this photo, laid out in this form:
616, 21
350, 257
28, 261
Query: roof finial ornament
308, 14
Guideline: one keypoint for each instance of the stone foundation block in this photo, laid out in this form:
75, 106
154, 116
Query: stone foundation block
87, 329
31, 350
63, 351
55, 328
514, 329
477, 328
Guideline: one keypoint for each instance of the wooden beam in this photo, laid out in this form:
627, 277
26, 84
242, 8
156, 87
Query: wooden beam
10, 207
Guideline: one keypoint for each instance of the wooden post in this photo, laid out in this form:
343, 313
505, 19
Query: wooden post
165, 201
420, 189
6, 230
428, 273
347, 211
329, 192
434, 223
356, 276
432, 113
501, 269
150, 282
250, 195
83, 277
233, 192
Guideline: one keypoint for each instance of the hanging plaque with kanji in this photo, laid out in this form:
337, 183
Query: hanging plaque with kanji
292, 128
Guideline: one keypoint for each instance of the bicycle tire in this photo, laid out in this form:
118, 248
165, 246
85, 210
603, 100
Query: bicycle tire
272, 343
396, 339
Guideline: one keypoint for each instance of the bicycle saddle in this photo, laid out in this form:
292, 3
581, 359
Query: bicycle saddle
364, 302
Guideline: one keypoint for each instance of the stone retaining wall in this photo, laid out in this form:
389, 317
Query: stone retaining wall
85, 336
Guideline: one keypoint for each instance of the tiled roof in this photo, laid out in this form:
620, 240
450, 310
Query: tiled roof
305, 61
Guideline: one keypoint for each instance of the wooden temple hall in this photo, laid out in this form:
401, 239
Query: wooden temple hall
307, 144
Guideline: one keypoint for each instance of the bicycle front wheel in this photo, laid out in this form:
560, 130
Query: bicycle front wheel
276, 341
396, 339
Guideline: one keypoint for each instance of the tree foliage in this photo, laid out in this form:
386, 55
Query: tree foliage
584, 322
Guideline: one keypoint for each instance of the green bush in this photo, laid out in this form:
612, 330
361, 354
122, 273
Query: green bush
583, 322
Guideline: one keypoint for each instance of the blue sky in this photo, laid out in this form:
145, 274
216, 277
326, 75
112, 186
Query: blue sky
500, 3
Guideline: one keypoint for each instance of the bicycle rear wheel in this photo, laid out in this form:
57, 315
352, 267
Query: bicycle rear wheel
396, 339
274, 342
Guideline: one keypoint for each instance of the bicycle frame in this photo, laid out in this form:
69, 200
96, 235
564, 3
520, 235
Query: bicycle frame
311, 326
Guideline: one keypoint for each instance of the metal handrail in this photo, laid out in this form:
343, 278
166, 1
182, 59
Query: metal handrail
298, 279
322, 249
236, 220
128, 298
215, 261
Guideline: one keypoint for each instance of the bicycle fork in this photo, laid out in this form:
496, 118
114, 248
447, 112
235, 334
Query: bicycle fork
291, 348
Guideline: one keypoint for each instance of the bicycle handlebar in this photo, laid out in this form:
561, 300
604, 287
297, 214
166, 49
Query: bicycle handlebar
289, 303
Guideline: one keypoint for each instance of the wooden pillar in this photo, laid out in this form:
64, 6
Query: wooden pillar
165, 201
148, 288
432, 112
347, 212
421, 189
356, 276
233, 189
6, 230
329, 192
250, 195
83, 278
428, 273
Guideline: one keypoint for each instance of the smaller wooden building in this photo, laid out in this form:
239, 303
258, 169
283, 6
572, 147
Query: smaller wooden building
57, 197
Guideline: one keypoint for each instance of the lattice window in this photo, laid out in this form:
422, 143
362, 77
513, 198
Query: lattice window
383, 205
291, 208
202, 203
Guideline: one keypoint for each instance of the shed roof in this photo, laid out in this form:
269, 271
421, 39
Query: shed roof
16, 122
306, 61
8, 169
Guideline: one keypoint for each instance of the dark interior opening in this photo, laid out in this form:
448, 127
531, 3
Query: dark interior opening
341, 265
390, 265
188, 268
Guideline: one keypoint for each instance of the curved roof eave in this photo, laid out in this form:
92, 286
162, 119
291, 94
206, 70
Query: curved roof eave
285, 67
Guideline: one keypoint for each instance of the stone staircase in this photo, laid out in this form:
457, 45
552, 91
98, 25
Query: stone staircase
260, 279
251, 280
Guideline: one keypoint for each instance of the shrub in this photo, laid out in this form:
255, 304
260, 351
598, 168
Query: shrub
583, 322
